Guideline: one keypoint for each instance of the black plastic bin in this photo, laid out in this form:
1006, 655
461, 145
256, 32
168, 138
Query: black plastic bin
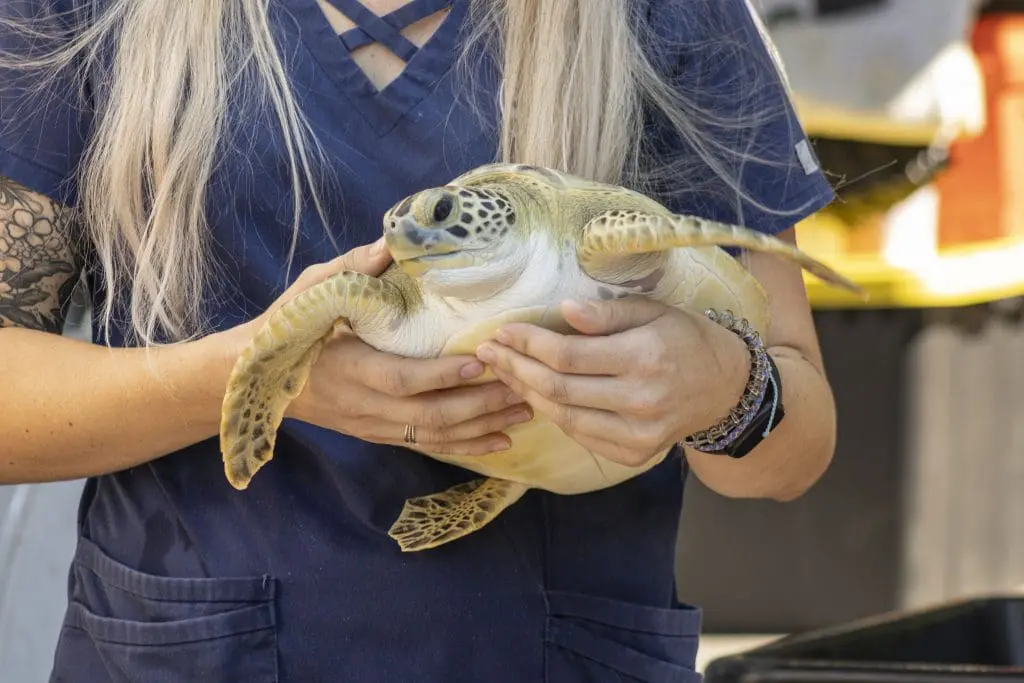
959, 642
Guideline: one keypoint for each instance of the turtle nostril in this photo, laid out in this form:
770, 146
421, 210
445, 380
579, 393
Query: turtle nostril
443, 208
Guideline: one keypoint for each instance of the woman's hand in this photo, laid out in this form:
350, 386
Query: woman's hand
356, 390
643, 377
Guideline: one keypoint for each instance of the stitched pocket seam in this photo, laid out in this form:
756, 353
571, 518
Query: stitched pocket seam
666, 622
616, 656
123, 632
172, 589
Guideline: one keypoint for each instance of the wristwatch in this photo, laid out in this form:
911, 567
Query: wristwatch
759, 410
767, 417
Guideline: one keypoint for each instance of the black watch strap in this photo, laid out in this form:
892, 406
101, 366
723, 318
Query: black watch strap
769, 415
759, 410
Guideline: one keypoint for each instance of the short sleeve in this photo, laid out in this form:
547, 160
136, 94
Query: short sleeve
44, 117
744, 132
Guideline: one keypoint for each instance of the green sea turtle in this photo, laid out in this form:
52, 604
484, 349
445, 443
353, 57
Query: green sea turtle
498, 244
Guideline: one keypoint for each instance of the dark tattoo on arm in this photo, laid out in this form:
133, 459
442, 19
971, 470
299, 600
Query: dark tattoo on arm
39, 266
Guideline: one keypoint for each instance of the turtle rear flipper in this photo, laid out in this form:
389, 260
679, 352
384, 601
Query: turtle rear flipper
434, 520
613, 239
274, 368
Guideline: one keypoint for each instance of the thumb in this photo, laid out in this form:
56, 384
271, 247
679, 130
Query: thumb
372, 259
613, 315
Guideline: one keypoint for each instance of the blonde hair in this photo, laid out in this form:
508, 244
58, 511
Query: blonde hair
577, 85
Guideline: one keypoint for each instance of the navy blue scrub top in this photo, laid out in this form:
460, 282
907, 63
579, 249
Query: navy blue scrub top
178, 577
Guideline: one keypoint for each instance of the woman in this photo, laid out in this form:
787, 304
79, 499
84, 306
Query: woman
192, 158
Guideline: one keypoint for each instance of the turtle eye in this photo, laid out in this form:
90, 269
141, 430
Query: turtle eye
443, 208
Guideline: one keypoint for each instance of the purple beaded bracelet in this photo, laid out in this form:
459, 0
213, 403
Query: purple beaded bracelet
719, 436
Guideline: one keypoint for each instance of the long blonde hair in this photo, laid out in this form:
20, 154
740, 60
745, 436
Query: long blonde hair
578, 86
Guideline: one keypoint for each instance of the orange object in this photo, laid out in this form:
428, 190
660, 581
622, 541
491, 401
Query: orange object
982, 192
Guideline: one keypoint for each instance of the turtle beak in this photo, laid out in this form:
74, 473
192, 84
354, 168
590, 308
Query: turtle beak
417, 249
408, 240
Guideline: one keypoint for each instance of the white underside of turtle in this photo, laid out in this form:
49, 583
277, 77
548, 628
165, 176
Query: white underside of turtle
500, 244
550, 274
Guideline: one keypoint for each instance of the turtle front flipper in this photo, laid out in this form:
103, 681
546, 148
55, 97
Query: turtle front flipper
274, 368
436, 519
612, 240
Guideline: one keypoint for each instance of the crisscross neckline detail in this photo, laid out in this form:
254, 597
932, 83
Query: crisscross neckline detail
382, 102
386, 30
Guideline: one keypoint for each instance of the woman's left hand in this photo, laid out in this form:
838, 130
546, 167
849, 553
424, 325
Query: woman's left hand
640, 377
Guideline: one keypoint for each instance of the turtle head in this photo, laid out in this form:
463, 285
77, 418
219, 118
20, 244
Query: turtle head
456, 239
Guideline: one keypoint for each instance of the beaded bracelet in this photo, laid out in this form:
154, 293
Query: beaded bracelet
721, 435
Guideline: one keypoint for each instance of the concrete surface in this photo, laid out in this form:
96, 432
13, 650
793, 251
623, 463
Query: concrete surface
714, 646
37, 535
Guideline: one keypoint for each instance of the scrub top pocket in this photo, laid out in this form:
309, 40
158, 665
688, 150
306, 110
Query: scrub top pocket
166, 629
593, 640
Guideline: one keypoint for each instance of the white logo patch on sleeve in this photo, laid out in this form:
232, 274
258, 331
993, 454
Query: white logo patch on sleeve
806, 157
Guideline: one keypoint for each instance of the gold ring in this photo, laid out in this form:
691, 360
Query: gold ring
410, 434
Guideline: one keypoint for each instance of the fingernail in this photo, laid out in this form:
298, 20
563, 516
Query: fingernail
377, 247
582, 308
485, 353
512, 398
471, 370
498, 446
519, 417
503, 336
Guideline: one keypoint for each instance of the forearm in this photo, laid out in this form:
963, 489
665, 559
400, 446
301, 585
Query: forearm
69, 409
795, 454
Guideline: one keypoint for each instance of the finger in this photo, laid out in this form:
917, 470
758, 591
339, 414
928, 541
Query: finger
575, 421
402, 377
612, 315
489, 427
605, 393
371, 259
567, 354
442, 410
605, 433
490, 423
494, 443
386, 432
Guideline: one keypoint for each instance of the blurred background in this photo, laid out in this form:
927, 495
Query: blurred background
916, 109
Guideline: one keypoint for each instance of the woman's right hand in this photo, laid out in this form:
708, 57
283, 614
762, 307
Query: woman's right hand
357, 390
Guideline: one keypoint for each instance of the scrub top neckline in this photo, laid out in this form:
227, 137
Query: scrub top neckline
426, 65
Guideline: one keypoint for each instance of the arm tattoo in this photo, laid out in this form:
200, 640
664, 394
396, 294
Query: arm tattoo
39, 267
